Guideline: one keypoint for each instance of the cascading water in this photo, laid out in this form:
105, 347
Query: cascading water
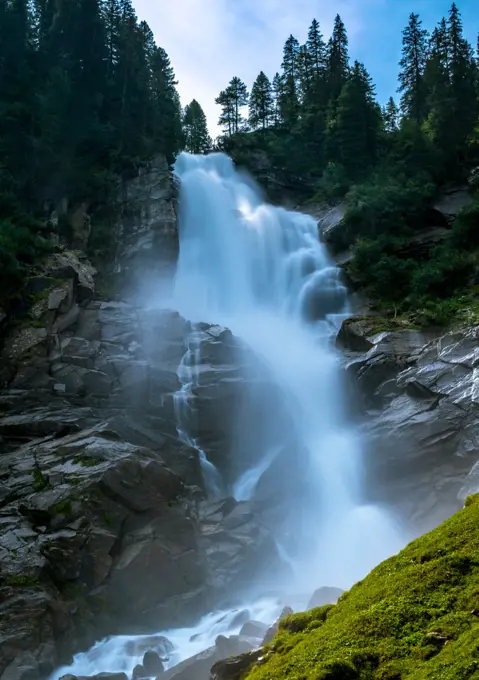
262, 272
188, 376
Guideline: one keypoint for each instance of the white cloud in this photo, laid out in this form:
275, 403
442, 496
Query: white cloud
209, 41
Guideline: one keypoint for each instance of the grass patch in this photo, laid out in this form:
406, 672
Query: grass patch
87, 462
41, 482
415, 617
62, 508
21, 581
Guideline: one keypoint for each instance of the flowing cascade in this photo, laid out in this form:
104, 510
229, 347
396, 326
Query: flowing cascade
262, 272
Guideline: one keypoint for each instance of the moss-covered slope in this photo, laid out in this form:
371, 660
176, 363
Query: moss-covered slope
416, 616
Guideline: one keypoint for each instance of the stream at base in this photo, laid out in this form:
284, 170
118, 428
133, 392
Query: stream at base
262, 272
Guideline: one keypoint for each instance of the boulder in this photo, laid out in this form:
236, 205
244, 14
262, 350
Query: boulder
234, 540
236, 668
199, 666
453, 201
254, 629
331, 226
153, 663
273, 630
71, 265
324, 596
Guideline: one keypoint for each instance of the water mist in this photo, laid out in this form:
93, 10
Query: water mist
262, 272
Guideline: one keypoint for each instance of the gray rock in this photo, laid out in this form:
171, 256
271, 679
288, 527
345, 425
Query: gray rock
139, 673
147, 229
422, 442
273, 630
331, 224
152, 663
236, 668
452, 202
324, 596
68, 265
471, 484
60, 298
199, 666
254, 629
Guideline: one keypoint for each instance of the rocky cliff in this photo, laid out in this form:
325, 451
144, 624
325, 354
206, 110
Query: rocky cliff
105, 526
105, 522
146, 232
416, 394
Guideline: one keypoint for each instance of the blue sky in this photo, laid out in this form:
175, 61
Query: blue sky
209, 41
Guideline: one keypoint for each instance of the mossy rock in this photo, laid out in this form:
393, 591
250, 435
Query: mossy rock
415, 617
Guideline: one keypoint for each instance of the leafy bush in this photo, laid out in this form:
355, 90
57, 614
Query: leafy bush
465, 231
20, 246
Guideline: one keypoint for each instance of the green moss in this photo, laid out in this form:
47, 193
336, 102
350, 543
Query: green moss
107, 518
21, 581
86, 461
415, 617
41, 483
62, 508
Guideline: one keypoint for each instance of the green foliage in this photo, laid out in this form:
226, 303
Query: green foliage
75, 114
21, 581
232, 100
430, 284
415, 617
195, 128
62, 508
261, 103
41, 482
87, 461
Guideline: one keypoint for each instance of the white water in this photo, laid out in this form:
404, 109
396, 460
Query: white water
188, 376
262, 272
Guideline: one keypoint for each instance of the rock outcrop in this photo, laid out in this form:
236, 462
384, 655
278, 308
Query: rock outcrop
147, 229
419, 397
104, 526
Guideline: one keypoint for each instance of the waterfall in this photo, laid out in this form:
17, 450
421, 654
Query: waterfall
188, 377
262, 271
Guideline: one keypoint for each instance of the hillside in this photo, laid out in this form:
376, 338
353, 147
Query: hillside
415, 617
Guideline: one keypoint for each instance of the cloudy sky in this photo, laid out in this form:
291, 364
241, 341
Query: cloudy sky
209, 41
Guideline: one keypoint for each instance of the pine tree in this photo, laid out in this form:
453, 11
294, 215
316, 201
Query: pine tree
462, 69
232, 100
316, 49
197, 139
289, 95
277, 88
353, 138
167, 132
413, 63
337, 60
391, 116
227, 116
261, 104
305, 72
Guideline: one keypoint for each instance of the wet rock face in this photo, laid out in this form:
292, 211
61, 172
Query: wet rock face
104, 526
147, 231
419, 397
